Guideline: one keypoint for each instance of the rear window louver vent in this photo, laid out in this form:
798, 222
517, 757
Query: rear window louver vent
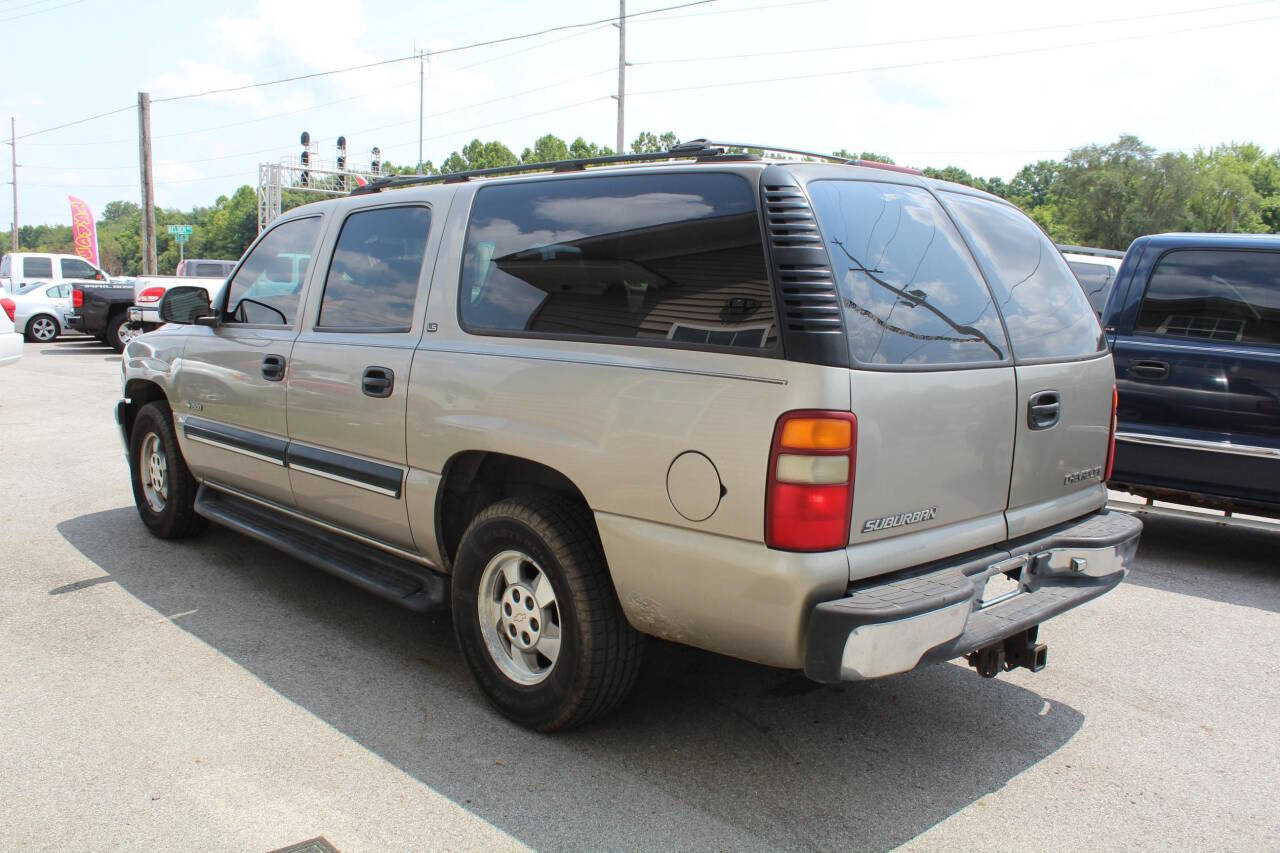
807, 290
791, 222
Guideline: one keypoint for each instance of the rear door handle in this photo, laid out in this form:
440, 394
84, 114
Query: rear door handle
378, 381
1044, 410
273, 367
1149, 369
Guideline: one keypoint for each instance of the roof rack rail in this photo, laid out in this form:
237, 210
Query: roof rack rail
694, 149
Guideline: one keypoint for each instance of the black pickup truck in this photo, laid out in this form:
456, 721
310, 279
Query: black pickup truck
1194, 324
101, 309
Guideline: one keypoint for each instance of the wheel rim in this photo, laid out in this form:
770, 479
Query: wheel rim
127, 332
43, 329
153, 469
519, 617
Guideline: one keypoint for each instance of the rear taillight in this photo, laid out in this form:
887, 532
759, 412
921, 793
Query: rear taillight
9, 306
810, 488
1111, 438
151, 294
77, 298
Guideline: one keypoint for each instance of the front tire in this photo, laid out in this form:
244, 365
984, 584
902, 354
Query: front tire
537, 617
42, 329
163, 489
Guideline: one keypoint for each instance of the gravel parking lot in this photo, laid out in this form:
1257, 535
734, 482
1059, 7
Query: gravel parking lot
215, 695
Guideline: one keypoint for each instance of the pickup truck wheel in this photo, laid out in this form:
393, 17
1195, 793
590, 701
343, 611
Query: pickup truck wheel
163, 488
537, 617
42, 329
120, 331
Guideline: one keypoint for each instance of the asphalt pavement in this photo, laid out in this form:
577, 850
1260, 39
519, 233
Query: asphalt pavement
213, 694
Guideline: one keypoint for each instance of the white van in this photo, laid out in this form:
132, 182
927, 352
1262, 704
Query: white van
21, 268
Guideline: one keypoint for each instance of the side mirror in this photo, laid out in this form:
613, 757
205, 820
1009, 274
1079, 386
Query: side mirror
186, 305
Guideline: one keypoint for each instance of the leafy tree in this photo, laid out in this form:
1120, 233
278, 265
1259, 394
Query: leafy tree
479, 155
546, 149
580, 149
647, 143
865, 155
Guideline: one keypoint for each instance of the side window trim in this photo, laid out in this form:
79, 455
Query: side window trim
315, 326
227, 285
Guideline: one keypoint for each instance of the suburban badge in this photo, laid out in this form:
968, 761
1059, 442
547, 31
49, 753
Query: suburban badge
873, 524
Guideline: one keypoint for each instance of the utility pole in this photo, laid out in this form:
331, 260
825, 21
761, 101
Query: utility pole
13, 146
420, 96
148, 190
622, 72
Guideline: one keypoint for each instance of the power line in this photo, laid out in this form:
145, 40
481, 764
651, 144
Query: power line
955, 37
927, 62
315, 74
78, 121
39, 11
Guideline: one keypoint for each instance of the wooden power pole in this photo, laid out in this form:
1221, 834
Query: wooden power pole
13, 147
148, 190
622, 72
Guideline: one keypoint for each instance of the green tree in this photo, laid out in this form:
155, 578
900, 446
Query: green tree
648, 143
546, 149
865, 155
479, 155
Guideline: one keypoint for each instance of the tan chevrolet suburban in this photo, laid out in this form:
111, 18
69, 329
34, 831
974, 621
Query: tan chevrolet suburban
827, 416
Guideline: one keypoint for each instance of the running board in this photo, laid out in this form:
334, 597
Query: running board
369, 568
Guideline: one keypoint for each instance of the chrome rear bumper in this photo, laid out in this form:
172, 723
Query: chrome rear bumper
896, 622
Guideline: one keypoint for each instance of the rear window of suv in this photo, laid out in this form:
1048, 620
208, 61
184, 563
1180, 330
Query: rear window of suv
658, 258
1044, 307
912, 295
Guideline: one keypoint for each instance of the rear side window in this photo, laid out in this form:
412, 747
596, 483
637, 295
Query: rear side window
1043, 305
76, 268
1227, 296
1096, 281
373, 278
268, 285
653, 258
37, 267
911, 292
4, 266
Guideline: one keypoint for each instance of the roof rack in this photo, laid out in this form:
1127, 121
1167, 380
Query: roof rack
695, 149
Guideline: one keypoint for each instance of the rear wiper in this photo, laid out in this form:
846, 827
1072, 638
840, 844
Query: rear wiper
914, 300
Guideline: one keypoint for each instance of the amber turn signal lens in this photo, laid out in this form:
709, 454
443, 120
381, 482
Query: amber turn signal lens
817, 434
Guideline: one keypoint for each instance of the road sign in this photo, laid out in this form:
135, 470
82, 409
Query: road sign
180, 230
180, 236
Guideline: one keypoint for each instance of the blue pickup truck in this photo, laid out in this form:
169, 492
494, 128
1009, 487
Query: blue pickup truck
1194, 324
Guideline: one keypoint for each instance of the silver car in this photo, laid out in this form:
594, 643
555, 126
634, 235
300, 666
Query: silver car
41, 310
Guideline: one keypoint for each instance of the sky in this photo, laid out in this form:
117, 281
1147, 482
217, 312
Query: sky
986, 86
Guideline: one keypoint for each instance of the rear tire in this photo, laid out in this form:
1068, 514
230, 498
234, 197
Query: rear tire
537, 617
42, 329
112, 337
163, 489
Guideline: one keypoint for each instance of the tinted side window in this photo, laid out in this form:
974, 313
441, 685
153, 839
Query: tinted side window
1096, 281
267, 287
911, 292
1043, 305
37, 267
204, 270
660, 257
373, 278
1228, 296
76, 268
4, 266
